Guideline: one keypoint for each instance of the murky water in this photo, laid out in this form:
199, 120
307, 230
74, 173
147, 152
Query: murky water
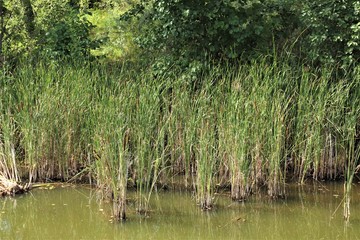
73, 213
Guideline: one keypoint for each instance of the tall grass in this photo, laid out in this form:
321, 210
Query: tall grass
206, 146
253, 127
111, 149
149, 137
351, 140
8, 139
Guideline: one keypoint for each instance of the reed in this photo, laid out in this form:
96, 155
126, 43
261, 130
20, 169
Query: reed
234, 136
351, 139
176, 114
8, 162
255, 129
51, 111
206, 149
146, 134
252, 127
111, 149
277, 117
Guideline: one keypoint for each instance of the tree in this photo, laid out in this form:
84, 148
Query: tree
223, 29
10, 29
29, 17
333, 31
56, 29
64, 32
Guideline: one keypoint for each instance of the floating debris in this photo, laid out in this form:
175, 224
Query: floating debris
10, 188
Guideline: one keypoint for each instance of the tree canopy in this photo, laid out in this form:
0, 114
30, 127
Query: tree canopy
182, 31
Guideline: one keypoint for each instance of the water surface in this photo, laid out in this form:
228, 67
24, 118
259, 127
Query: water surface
309, 212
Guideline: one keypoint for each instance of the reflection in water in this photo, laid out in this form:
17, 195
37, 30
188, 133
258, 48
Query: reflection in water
4, 226
72, 213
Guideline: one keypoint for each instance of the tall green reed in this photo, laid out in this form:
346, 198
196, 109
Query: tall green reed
251, 127
9, 168
234, 136
54, 107
269, 102
206, 149
146, 133
111, 149
351, 139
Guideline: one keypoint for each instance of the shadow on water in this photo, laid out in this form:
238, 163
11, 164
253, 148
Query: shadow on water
309, 212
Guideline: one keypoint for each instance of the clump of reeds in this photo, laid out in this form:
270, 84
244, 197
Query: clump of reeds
8, 137
111, 150
206, 148
351, 138
251, 126
235, 127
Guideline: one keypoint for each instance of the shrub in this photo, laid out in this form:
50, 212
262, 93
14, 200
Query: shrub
333, 31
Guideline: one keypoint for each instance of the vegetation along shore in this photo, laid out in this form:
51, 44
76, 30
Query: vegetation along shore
130, 94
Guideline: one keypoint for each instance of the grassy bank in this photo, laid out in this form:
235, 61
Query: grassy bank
252, 127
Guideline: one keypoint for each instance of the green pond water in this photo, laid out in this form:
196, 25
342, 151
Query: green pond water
74, 213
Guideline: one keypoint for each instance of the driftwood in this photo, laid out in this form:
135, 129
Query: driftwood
10, 188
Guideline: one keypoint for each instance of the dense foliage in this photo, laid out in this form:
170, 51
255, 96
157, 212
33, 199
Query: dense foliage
54, 29
333, 30
250, 124
181, 32
222, 29
63, 31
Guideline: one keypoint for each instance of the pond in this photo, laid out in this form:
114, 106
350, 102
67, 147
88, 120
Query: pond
309, 212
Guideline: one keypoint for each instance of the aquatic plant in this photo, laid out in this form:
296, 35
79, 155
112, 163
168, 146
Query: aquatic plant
251, 127
111, 149
8, 139
351, 139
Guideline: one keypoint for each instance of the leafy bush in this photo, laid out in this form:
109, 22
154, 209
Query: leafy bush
56, 29
64, 32
333, 31
14, 39
221, 29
